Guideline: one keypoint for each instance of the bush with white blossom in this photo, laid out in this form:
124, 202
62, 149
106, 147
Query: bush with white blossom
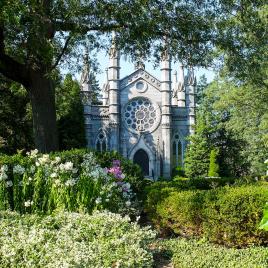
69, 239
72, 180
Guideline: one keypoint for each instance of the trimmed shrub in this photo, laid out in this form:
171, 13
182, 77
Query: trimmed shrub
72, 180
194, 253
214, 168
73, 240
232, 215
227, 215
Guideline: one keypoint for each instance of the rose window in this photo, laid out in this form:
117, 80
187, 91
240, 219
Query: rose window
141, 115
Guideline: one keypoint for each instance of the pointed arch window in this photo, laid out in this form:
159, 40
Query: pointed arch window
101, 142
177, 149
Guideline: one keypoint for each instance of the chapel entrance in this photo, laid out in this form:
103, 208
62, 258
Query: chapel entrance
141, 158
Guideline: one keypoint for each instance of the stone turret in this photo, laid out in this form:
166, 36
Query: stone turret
190, 98
178, 88
166, 111
86, 95
113, 79
105, 90
181, 87
174, 98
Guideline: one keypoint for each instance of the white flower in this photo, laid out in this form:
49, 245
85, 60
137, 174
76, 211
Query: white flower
32, 153
128, 203
44, 159
4, 169
57, 159
18, 169
57, 182
68, 166
123, 176
98, 200
125, 194
53, 175
32, 169
266, 161
28, 203
127, 185
30, 179
37, 164
71, 182
9, 184
3, 176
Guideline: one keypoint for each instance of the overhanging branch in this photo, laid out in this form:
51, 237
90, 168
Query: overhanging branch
9, 67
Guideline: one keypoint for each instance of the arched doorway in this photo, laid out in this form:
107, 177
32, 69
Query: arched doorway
141, 158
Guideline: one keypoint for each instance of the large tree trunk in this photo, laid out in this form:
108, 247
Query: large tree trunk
42, 97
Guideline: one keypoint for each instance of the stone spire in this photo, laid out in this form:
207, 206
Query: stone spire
166, 110
105, 90
86, 96
181, 87
113, 79
85, 84
190, 98
174, 99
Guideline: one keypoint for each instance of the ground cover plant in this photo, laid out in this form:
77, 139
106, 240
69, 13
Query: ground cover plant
195, 253
71, 180
66, 239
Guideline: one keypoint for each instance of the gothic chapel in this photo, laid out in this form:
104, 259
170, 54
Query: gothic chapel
144, 118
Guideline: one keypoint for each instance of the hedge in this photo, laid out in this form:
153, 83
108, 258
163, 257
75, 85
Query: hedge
198, 254
226, 215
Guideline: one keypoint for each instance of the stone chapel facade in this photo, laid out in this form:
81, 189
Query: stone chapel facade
144, 118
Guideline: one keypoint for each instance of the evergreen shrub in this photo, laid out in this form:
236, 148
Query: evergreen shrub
213, 164
225, 215
72, 180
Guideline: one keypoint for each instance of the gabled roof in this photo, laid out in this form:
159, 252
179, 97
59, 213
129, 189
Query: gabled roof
136, 75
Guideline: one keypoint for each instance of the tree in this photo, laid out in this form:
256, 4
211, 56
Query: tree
36, 36
95, 89
243, 44
202, 83
70, 115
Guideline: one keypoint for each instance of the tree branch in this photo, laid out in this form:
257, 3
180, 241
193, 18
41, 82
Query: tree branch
74, 27
62, 52
9, 67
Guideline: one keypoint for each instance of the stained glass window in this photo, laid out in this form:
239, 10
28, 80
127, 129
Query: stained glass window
101, 142
140, 114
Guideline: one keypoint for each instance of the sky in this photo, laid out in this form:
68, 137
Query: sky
128, 67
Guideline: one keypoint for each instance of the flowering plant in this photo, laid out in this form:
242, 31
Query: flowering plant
73, 181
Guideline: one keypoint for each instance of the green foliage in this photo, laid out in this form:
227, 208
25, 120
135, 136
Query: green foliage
231, 119
198, 254
73, 240
70, 115
226, 215
15, 119
213, 165
264, 221
73, 180
196, 161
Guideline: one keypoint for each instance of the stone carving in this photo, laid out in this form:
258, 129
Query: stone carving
191, 79
140, 74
